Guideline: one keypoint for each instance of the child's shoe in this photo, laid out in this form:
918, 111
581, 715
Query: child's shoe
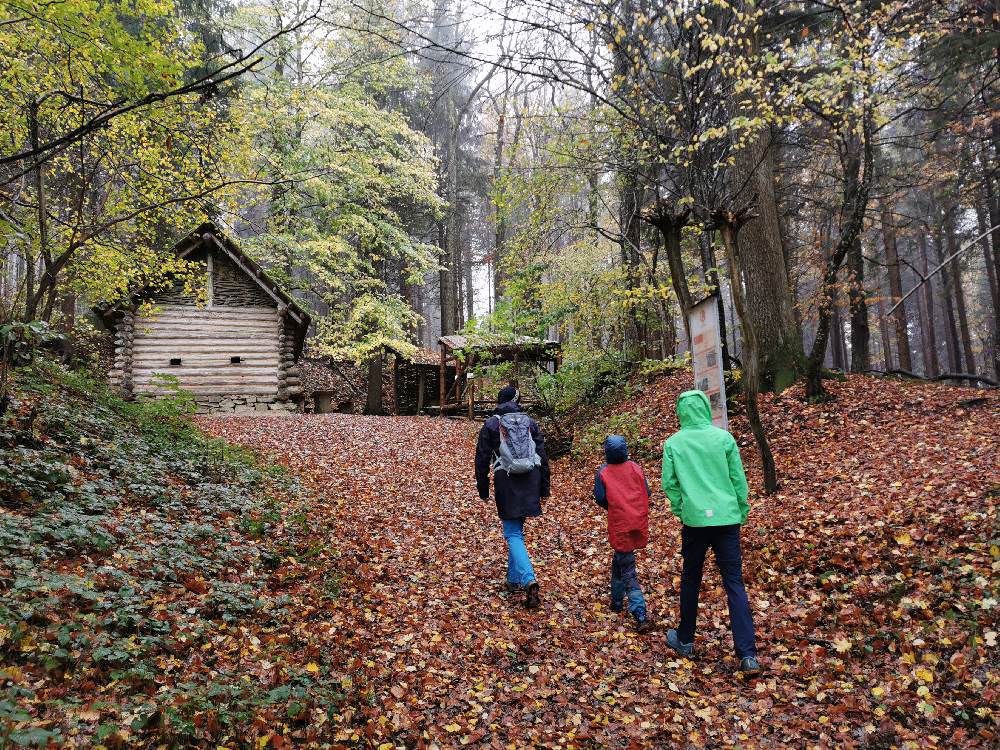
642, 622
533, 600
684, 649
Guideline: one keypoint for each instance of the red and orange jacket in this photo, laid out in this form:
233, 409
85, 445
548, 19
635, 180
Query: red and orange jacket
620, 486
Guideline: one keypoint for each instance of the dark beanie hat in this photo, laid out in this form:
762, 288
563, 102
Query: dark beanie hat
507, 393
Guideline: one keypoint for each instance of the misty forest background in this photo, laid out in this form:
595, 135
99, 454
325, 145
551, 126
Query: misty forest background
579, 170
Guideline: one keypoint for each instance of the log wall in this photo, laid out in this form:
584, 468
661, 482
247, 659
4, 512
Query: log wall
239, 320
205, 339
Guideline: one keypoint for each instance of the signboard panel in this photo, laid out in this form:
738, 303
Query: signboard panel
706, 357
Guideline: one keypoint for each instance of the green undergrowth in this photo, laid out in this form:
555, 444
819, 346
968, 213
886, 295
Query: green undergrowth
137, 559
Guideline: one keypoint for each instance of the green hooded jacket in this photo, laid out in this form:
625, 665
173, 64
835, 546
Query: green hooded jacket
703, 475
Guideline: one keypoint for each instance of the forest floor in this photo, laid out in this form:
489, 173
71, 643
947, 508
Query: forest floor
872, 574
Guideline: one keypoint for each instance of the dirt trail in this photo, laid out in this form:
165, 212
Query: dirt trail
446, 659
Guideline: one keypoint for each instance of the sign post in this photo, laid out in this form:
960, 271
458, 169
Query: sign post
706, 357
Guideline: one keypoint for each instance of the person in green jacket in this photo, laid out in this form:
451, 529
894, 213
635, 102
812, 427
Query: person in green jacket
704, 480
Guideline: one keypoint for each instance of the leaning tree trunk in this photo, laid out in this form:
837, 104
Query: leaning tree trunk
751, 373
768, 296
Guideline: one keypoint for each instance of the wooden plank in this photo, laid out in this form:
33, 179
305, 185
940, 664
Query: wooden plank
204, 386
207, 358
222, 370
181, 327
211, 390
249, 343
216, 310
221, 373
201, 336
206, 314
218, 354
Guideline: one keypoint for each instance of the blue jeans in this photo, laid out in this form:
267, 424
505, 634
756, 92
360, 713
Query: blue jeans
519, 570
625, 581
725, 543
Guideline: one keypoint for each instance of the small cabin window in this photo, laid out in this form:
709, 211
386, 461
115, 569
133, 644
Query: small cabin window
175, 361
235, 360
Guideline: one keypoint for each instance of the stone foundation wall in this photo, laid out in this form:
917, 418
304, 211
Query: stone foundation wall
243, 404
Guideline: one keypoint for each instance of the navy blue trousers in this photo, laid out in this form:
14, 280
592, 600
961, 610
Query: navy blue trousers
625, 582
725, 543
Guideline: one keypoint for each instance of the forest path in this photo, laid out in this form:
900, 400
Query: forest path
868, 575
446, 651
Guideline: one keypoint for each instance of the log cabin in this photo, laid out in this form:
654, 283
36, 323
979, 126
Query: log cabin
234, 345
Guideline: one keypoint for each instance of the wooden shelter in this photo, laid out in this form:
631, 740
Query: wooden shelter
417, 380
468, 352
236, 350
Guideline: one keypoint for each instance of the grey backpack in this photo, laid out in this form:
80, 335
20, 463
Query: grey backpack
517, 454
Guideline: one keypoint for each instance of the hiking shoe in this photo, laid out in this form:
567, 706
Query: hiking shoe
514, 588
750, 667
532, 600
684, 649
617, 607
643, 625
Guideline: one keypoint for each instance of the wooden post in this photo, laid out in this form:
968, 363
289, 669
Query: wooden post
395, 385
441, 381
472, 384
459, 390
421, 387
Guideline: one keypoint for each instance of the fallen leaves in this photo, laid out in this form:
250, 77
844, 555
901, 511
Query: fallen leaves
884, 505
872, 574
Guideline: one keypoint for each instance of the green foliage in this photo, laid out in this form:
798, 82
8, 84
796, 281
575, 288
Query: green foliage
590, 439
20, 341
117, 194
164, 418
584, 382
120, 527
652, 368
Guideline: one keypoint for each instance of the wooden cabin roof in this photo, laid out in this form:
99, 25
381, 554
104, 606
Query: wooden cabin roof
502, 345
209, 236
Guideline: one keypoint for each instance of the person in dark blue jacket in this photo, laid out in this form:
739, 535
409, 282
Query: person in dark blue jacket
517, 496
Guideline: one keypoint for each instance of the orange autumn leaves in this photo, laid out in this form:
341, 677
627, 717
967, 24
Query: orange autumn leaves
870, 573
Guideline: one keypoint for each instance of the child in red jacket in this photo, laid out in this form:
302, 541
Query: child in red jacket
621, 488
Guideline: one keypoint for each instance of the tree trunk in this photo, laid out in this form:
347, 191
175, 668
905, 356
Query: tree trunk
447, 285
992, 281
931, 364
860, 331
959, 291
896, 289
751, 374
710, 269
32, 296
499, 213
671, 227
993, 207
948, 300
838, 352
883, 330
470, 301
630, 228
768, 293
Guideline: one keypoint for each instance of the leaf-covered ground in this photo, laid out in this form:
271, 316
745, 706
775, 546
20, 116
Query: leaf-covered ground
873, 576
144, 580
